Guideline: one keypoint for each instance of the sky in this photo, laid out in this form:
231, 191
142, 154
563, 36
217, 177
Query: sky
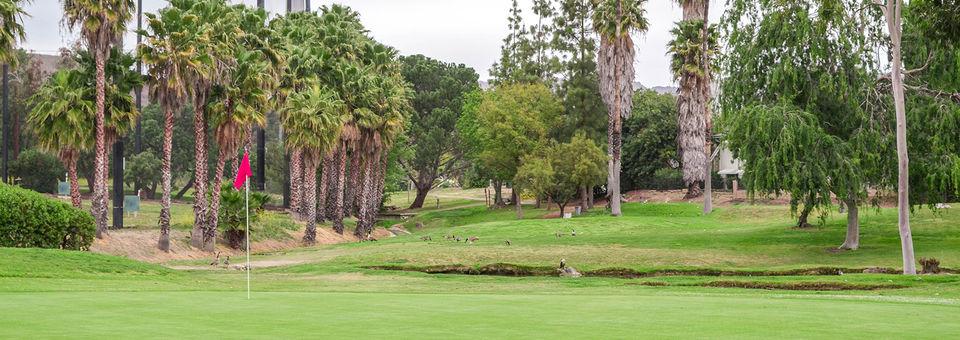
460, 31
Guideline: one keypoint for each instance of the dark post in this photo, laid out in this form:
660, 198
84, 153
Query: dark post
138, 134
307, 7
118, 184
6, 124
260, 178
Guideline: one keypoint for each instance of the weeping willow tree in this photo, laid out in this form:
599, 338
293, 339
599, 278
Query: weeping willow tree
793, 103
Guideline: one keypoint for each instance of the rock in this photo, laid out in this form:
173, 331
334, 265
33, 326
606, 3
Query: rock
398, 230
569, 271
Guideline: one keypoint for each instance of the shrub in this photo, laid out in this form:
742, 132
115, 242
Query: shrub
29, 219
232, 214
38, 171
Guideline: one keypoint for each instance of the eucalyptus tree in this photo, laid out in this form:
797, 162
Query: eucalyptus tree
168, 51
794, 103
61, 120
100, 23
615, 21
11, 28
692, 47
312, 119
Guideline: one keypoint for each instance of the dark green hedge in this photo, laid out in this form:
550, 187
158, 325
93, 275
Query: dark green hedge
29, 219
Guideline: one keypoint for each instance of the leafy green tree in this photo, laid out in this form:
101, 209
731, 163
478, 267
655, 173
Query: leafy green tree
795, 113
37, 170
61, 120
99, 23
438, 94
510, 122
649, 137
560, 171
472, 140
144, 168
168, 52
614, 21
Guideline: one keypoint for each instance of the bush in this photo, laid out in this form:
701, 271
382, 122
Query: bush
144, 168
38, 171
232, 215
29, 219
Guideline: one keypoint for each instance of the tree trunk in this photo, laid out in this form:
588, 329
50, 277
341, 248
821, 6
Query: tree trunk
200, 203
892, 12
75, 199
590, 198
296, 178
351, 193
562, 208
324, 184
210, 237
708, 169
167, 178
498, 194
692, 114
422, 191
310, 198
335, 210
515, 193
98, 205
185, 188
804, 216
366, 197
583, 199
852, 241
613, 178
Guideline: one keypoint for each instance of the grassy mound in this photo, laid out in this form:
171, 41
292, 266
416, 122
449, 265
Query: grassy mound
50, 263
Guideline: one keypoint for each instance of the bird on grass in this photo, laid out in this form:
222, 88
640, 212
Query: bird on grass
563, 263
216, 261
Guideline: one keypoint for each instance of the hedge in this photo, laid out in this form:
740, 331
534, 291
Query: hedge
30, 219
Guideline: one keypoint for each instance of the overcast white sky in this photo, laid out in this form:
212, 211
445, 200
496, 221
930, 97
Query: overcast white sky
462, 31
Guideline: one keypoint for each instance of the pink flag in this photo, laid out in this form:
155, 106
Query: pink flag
243, 172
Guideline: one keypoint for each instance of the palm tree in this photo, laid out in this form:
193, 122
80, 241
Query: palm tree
11, 28
312, 119
101, 23
240, 103
168, 52
614, 21
61, 120
693, 44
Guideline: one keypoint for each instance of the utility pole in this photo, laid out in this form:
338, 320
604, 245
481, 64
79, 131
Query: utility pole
6, 123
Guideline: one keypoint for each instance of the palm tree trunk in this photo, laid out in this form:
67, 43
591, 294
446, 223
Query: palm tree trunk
99, 204
335, 211
75, 199
296, 177
324, 183
200, 203
692, 114
167, 178
310, 197
352, 192
210, 237
613, 178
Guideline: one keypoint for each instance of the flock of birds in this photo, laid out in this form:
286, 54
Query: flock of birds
226, 263
472, 239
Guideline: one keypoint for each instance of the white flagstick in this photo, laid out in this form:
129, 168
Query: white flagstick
246, 204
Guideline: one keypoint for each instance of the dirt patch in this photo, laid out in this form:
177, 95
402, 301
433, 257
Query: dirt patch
140, 244
507, 269
817, 286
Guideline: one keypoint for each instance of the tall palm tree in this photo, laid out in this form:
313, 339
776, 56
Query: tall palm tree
61, 119
101, 23
11, 28
614, 21
690, 49
168, 52
312, 119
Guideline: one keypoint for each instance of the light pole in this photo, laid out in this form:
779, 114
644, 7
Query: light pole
6, 124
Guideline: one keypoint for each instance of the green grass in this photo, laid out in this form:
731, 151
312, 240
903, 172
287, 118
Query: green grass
325, 291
